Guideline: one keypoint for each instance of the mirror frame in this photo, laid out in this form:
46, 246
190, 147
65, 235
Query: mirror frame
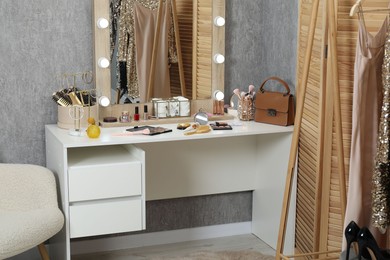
101, 48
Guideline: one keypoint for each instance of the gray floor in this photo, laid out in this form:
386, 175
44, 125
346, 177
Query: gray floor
232, 243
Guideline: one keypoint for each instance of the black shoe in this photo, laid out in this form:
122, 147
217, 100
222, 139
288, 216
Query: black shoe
351, 233
366, 241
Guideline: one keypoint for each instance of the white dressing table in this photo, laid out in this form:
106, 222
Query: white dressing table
104, 182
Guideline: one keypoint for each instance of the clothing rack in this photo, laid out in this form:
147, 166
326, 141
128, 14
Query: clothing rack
374, 10
149, 92
357, 8
333, 94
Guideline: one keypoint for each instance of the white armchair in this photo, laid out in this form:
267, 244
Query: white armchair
29, 213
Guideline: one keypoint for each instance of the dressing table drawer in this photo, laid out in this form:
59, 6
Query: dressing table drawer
105, 181
105, 217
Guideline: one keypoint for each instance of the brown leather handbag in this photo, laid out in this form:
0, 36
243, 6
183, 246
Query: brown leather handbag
275, 108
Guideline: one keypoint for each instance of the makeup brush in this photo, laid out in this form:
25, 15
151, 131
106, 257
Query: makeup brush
74, 98
251, 89
237, 92
199, 130
60, 100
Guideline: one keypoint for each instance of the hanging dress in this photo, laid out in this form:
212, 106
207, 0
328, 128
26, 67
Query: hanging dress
133, 13
145, 26
381, 176
114, 20
367, 101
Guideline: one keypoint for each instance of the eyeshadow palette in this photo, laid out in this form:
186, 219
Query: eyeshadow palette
154, 130
221, 127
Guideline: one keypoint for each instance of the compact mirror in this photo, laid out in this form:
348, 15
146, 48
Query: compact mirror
201, 117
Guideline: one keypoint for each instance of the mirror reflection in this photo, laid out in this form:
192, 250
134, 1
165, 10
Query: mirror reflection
160, 52
145, 44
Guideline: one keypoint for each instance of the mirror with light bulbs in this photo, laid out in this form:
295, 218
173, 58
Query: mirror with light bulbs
202, 31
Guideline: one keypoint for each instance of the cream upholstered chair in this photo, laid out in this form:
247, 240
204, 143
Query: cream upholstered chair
29, 213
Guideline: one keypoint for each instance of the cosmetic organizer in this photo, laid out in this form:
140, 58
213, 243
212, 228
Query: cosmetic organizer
172, 107
66, 120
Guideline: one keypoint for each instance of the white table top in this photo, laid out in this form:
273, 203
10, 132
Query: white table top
107, 136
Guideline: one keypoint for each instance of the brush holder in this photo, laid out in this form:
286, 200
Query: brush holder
65, 121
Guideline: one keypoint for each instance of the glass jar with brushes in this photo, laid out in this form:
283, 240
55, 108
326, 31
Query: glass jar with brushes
245, 106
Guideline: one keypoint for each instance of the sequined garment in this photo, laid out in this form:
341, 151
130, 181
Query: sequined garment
381, 175
126, 41
114, 18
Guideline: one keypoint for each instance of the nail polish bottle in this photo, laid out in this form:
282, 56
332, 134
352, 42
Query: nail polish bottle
146, 115
136, 114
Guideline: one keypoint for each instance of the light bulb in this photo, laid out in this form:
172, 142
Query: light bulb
219, 58
104, 101
102, 23
218, 95
219, 21
103, 63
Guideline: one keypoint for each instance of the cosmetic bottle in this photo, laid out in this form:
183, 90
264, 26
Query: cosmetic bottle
218, 102
136, 114
218, 107
125, 117
146, 115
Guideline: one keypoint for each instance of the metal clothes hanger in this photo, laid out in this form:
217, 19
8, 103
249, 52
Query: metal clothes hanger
357, 8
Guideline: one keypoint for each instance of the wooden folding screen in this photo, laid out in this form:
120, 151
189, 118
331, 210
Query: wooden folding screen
309, 154
203, 38
199, 37
195, 25
319, 221
185, 20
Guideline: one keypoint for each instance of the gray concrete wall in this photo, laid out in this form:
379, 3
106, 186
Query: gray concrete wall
261, 41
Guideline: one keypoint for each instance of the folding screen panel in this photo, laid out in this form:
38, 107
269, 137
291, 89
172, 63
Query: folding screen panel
319, 220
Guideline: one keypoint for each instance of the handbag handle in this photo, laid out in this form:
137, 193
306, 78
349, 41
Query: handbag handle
279, 80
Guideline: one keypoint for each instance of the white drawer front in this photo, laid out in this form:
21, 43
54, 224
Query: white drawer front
105, 181
106, 217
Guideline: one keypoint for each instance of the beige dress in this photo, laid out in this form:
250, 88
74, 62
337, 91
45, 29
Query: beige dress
145, 27
136, 31
367, 102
